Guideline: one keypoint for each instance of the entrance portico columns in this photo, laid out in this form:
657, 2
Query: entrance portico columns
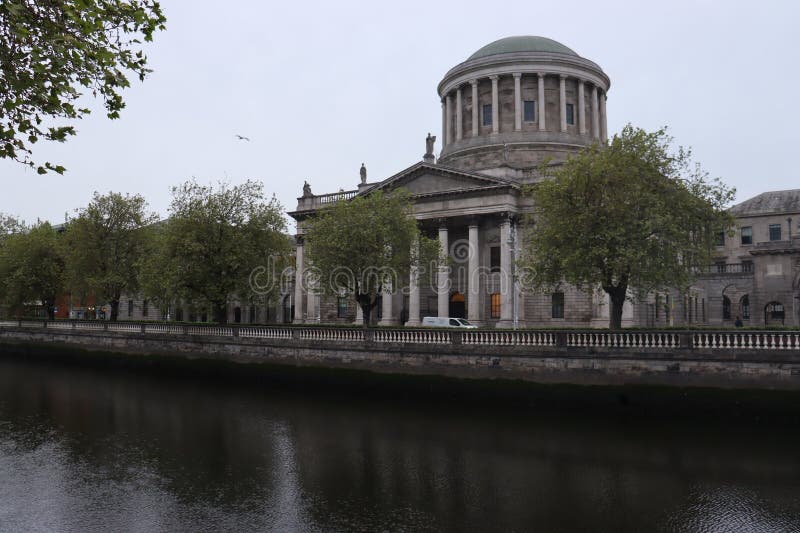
506, 280
443, 275
298, 281
474, 279
387, 307
413, 288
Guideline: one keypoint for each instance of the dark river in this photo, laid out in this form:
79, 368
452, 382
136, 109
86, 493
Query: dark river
93, 450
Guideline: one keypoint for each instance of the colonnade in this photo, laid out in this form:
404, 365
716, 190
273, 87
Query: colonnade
307, 302
453, 104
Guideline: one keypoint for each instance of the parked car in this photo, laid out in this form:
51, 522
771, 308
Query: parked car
446, 322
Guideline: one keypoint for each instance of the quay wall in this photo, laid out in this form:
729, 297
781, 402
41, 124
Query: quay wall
677, 359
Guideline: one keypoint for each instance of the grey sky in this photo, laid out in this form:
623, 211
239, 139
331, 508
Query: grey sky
319, 88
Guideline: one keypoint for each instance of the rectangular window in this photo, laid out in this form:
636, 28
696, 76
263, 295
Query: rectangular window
774, 232
494, 259
144, 309
130, 308
747, 235
529, 108
571, 114
557, 305
341, 307
720, 239
487, 115
495, 309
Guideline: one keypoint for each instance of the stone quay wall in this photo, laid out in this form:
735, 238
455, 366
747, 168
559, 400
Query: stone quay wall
723, 359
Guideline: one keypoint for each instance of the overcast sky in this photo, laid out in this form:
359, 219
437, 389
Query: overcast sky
321, 87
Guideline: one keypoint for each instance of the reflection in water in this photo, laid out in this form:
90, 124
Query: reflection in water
87, 450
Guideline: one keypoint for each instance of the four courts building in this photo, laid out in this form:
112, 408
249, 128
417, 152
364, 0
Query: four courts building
511, 106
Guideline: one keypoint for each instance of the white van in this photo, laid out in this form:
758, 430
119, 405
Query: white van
446, 322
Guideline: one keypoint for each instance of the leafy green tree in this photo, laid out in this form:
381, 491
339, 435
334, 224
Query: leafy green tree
32, 268
213, 240
104, 246
633, 214
358, 246
51, 51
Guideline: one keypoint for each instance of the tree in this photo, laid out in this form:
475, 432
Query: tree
214, 239
32, 268
632, 214
359, 246
104, 244
51, 51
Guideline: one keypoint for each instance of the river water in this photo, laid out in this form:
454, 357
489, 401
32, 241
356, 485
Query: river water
94, 450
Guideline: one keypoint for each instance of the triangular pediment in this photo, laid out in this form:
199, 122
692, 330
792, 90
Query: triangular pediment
425, 179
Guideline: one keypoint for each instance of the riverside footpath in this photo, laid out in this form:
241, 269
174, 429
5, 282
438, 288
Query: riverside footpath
752, 359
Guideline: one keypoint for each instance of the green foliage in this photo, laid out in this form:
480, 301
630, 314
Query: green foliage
634, 213
52, 51
359, 246
32, 267
104, 244
212, 242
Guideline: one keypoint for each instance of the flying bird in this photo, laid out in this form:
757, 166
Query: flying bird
242, 138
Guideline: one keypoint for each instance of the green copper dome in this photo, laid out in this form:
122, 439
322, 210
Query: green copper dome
522, 43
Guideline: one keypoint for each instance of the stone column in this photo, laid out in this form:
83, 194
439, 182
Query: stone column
299, 274
506, 282
413, 289
311, 300
359, 316
495, 107
473, 282
475, 108
542, 106
581, 108
443, 275
562, 99
387, 319
444, 124
595, 114
459, 126
449, 118
603, 125
517, 101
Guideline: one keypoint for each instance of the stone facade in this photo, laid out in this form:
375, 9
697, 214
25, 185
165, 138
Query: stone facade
509, 107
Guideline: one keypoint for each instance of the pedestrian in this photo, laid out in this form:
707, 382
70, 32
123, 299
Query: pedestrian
738, 322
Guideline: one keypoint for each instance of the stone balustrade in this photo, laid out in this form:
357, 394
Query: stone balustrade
634, 340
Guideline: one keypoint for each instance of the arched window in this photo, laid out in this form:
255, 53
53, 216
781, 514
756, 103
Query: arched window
744, 307
726, 308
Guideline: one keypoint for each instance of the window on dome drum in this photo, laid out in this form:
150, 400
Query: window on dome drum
494, 312
487, 115
570, 114
529, 111
341, 307
557, 305
720, 239
494, 259
747, 235
774, 232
